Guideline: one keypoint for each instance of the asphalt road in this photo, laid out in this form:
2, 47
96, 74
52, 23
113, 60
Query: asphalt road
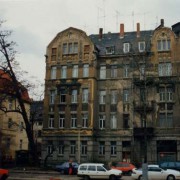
45, 175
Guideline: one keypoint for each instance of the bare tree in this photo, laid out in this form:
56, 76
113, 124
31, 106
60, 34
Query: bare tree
13, 86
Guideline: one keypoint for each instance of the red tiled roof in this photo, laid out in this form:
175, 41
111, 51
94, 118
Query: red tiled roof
7, 86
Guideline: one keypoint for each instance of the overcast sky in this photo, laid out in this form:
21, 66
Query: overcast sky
36, 22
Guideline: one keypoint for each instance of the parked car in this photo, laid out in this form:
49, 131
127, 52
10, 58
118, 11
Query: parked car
125, 167
155, 173
4, 173
170, 165
64, 167
97, 171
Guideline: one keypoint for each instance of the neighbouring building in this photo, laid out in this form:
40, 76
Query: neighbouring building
36, 119
13, 138
113, 96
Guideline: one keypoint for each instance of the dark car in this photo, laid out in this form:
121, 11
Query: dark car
64, 167
170, 165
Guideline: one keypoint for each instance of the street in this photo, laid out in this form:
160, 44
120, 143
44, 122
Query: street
45, 175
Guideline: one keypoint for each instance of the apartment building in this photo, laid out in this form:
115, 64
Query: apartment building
112, 96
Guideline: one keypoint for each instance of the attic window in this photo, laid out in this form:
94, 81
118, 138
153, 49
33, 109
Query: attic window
110, 50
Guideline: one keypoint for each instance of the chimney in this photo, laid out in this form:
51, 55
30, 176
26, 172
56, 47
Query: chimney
138, 29
121, 31
162, 22
100, 33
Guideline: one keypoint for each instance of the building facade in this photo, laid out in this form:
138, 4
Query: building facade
112, 96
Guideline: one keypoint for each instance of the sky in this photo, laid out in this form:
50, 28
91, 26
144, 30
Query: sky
36, 22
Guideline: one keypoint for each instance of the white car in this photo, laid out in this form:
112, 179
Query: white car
155, 173
97, 171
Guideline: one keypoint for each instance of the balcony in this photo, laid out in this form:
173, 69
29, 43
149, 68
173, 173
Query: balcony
140, 106
140, 132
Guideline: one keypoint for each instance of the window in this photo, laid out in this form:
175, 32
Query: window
110, 50
163, 45
53, 56
86, 70
141, 46
113, 148
84, 148
51, 121
102, 121
61, 148
101, 148
126, 71
126, 47
142, 71
102, 97
165, 94
86, 48
65, 50
102, 72
166, 120
75, 71
49, 148
113, 121
8, 143
64, 72
70, 48
114, 71
84, 120
125, 120
125, 95
74, 96
53, 72
165, 69
113, 97
73, 120
85, 94
62, 97
52, 96
72, 147
61, 120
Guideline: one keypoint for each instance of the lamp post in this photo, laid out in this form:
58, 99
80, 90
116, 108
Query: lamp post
79, 143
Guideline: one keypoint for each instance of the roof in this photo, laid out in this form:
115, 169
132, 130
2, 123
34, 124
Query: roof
113, 39
7, 86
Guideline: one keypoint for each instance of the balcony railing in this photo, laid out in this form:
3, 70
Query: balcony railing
140, 106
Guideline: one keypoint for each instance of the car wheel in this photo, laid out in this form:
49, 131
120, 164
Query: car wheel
140, 178
86, 178
112, 177
170, 177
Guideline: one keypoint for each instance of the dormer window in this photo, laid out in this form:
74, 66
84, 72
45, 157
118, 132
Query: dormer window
126, 47
141, 46
110, 50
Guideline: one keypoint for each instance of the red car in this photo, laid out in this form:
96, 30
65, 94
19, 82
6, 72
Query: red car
125, 167
4, 173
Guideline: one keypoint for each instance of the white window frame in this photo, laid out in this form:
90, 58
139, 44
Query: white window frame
74, 96
125, 95
102, 97
84, 120
163, 44
65, 48
102, 148
53, 72
85, 95
86, 70
113, 97
113, 121
126, 47
73, 120
64, 72
61, 120
102, 119
52, 96
61, 148
141, 45
126, 71
75, 71
113, 148
73, 147
103, 72
165, 69
114, 71
84, 147
110, 50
